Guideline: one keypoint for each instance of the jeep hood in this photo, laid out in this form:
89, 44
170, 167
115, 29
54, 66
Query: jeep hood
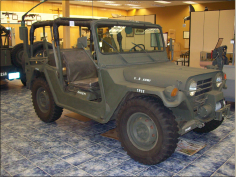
163, 74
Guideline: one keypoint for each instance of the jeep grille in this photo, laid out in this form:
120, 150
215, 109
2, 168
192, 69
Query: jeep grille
203, 86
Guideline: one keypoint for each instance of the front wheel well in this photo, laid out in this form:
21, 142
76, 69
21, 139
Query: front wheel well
131, 95
36, 74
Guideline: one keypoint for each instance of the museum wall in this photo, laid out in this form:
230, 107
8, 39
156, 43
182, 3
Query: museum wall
206, 28
23, 6
172, 17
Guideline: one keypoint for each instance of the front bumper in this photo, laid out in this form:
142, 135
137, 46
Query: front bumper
223, 112
213, 108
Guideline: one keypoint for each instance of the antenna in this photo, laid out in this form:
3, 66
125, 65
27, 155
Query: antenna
23, 17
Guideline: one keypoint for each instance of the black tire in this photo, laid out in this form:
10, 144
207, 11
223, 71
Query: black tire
165, 124
209, 126
17, 54
49, 112
38, 48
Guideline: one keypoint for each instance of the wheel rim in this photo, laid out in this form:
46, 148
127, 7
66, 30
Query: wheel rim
39, 53
42, 99
142, 131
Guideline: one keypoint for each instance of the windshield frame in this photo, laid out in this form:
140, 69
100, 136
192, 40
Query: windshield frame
134, 24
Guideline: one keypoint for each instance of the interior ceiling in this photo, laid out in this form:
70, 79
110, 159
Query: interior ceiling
129, 5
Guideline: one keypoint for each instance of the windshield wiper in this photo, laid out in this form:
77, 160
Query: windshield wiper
144, 51
116, 51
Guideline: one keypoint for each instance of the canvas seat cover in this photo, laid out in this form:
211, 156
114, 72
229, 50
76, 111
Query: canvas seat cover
81, 71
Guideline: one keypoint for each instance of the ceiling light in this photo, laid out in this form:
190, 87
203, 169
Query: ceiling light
135, 2
163, 2
132, 5
107, 1
135, 7
112, 4
83, 1
189, 2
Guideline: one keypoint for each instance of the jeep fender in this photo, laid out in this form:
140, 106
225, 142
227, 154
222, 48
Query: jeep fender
151, 90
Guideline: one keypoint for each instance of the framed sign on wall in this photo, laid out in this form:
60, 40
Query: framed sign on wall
186, 34
139, 31
131, 34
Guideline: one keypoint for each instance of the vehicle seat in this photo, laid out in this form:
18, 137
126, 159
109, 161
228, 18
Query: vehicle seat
81, 71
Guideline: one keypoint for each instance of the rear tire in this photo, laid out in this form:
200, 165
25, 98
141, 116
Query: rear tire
43, 101
147, 130
209, 126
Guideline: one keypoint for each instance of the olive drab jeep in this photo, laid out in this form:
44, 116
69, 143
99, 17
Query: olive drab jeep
129, 79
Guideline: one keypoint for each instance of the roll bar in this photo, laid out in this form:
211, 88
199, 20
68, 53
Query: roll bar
56, 23
66, 22
38, 25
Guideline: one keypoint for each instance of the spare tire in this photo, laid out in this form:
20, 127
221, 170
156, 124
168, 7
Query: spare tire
38, 48
17, 54
37, 51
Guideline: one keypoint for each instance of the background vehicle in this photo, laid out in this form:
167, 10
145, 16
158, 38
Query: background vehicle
11, 58
8, 70
130, 80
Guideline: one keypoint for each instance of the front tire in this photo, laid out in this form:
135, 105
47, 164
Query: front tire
209, 126
43, 101
147, 130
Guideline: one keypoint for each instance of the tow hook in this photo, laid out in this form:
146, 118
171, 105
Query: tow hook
201, 125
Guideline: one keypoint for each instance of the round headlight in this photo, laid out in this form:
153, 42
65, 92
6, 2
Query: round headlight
218, 80
192, 88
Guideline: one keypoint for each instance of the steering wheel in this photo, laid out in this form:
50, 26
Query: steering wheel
137, 45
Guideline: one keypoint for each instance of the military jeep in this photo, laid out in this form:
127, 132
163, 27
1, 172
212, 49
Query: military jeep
124, 74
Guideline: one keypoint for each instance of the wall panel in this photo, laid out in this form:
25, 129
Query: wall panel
215, 25
196, 38
171, 17
226, 27
211, 30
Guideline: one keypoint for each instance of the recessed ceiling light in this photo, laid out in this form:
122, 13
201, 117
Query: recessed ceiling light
132, 5
163, 2
189, 2
112, 4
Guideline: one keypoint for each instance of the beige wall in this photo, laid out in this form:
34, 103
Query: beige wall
206, 28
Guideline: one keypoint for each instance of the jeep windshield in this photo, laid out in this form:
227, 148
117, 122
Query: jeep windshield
130, 44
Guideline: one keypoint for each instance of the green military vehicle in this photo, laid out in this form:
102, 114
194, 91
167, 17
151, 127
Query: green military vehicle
129, 79
8, 55
11, 57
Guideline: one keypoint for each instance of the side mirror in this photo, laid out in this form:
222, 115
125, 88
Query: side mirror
82, 42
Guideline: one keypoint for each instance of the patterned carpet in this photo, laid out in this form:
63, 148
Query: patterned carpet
70, 147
